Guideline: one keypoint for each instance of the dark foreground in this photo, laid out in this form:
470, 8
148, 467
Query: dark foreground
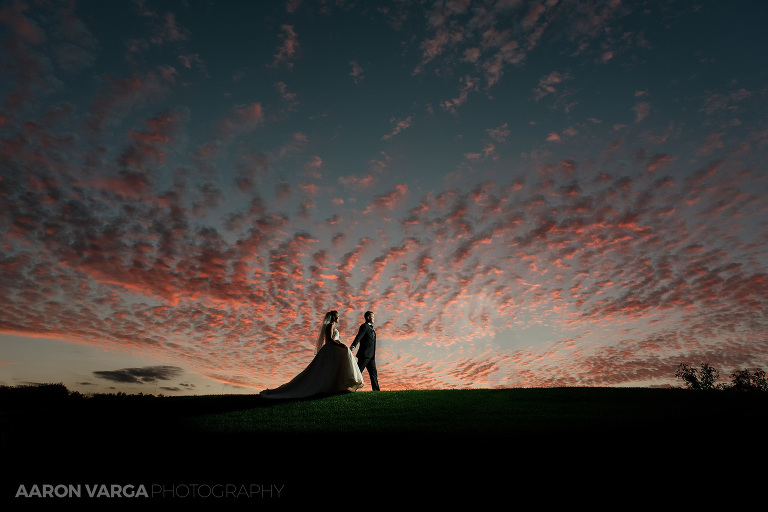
601, 447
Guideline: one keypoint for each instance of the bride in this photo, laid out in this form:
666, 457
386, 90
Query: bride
332, 370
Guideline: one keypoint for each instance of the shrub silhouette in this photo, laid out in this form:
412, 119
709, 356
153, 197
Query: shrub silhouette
35, 394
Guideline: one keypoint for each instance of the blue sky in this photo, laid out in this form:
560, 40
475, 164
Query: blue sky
526, 193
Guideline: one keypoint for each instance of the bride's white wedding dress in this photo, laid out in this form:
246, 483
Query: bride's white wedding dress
333, 370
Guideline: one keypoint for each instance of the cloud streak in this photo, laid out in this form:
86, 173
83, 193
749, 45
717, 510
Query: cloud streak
140, 375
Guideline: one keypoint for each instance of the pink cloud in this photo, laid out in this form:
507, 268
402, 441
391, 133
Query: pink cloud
434, 46
487, 152
164, 29
289, 97
355, 182
500, 133
551, 85
24, 29
248, 170
312, 168
469, 84
641, 110
288, 49
658, 161
553, 137
122, 96
194, 59
400, 125
357, 71
388, 200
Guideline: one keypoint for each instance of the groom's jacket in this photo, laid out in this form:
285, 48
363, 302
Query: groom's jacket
366, 337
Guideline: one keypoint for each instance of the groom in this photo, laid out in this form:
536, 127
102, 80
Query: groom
366, 356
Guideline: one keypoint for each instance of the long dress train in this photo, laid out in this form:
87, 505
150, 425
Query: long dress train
333, 370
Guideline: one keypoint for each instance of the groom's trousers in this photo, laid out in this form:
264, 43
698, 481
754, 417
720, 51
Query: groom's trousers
370, 365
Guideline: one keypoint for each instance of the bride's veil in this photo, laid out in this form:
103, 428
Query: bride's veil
321, 336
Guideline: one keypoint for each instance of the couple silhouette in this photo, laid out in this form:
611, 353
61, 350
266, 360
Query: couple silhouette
334, 369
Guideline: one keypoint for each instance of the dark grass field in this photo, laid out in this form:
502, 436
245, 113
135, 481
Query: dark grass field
554, 444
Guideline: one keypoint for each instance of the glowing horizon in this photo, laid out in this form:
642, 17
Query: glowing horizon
527, 194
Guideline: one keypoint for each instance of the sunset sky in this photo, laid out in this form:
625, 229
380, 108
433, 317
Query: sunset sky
526, 193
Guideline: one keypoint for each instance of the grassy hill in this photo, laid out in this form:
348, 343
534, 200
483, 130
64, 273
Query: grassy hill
426, 441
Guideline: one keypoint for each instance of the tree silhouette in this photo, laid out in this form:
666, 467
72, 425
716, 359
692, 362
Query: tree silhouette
706, 376
703, 378
745, 381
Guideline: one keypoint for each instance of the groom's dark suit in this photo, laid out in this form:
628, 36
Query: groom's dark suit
366, 356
